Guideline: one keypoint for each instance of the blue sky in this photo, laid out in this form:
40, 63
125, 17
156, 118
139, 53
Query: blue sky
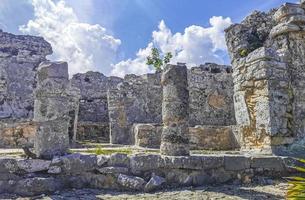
129, 24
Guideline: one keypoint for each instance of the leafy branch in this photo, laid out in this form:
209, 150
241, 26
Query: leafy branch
157, 61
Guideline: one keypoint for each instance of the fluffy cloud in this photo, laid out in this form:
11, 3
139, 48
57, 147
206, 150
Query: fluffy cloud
84, 46
195, 46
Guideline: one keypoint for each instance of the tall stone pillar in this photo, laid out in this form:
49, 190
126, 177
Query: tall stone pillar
52, 109
175, 111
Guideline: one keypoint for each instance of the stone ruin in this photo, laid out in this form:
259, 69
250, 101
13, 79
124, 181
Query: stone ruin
267, 51
257, 107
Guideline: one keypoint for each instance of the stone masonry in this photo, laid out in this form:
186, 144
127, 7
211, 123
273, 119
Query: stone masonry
136, 100
175, 111
19, 59
54, 101
93, 119
267, 51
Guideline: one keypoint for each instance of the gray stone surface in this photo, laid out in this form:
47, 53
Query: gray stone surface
210, 94
136, 100
147, 135
267, 56
175, 111
93, 120
19, 59
54, 101
131, 182
33, 165
36, 177
155, 183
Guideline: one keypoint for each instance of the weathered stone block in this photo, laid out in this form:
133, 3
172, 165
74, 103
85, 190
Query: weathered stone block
141, 163
37, 186
33, 165
147, 135
237, 163
155, 183
212, 138
52, 70
268, 163
78, 163
113, 170
119, 160
131, 182
8, 165
52, 138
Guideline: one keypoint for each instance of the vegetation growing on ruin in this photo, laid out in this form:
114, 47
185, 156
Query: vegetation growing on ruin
296, 189
243, 53
157, 60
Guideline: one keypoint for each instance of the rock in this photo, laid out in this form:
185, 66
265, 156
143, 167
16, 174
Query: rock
147, 135
113, 170
102, 160
54, 170
131, 182
8, 165
212, 138
142, 162
155, 183
78, 163
268, 163
33, 165
37, 186
175, 111
178, 178
236, 163
119, 160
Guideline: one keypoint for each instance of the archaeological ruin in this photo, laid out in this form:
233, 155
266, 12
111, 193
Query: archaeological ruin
193, 126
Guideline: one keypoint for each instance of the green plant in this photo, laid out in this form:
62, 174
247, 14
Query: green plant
296, 190
243, 52
156, 60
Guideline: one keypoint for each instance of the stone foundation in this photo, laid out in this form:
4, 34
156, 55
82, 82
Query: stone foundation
200, 137
140, 172
213, 138
17, 134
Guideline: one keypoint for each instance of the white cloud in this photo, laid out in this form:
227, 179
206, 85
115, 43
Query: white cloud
195, 46
84, 46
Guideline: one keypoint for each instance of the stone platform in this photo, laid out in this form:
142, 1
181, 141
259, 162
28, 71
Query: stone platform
135, 172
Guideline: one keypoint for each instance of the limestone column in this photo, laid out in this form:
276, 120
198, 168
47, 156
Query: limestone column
52, 108
175, 111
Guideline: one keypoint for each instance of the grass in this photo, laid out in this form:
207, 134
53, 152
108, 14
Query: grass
296, 190
98, 150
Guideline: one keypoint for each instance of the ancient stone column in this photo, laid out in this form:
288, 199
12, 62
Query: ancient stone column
52, 109
175, 111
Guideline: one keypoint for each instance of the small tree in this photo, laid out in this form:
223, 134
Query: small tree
156, 60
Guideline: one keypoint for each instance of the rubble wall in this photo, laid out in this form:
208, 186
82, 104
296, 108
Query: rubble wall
139, 172
19, 58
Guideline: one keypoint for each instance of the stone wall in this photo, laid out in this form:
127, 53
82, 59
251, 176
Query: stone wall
211, 97
267, 55
201, 137
139, 100
19, 59
140, 172
93, 120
